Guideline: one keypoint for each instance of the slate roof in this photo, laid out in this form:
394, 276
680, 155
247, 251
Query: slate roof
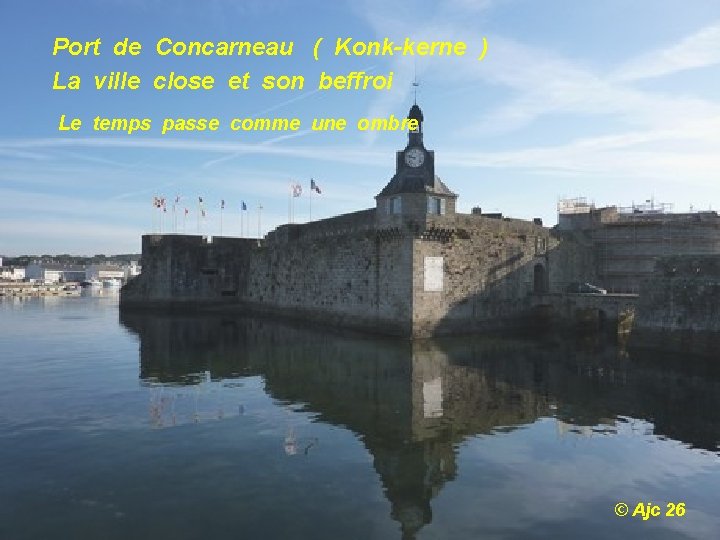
408, 183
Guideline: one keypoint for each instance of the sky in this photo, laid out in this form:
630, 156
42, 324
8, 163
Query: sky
615, 101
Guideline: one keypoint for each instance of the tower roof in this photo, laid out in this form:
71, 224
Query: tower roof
406, 183
415, 113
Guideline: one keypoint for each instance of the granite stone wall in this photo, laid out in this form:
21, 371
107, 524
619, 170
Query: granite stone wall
181, 269
490, 269
354, 279
679, 305
355, 271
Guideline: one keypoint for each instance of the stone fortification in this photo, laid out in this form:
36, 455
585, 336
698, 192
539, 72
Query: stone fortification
411, 266
352, 271
628, 244
680, 305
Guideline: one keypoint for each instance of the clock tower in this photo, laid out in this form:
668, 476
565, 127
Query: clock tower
415, 189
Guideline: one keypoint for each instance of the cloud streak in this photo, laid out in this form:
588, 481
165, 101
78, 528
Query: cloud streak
701, 49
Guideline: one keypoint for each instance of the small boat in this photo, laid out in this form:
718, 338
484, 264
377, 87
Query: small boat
111, 283
91, 283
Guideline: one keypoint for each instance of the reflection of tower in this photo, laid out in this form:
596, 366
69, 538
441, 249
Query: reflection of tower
410, 402
412, 473
414, 465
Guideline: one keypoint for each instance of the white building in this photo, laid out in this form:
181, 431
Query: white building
54, 273
12, 273
100, 272
132, 270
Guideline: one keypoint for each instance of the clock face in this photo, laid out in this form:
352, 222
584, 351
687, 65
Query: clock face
414, 157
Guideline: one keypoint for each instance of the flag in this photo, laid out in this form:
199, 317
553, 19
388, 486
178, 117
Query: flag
202, 212
177, 199
187, 211
222, 204
296, 189
200, 200
244, 206
314, 187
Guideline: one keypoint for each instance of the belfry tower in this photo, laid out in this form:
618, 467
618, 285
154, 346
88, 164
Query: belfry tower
415, 190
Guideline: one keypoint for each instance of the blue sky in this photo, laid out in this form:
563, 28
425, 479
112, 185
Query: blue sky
616, 101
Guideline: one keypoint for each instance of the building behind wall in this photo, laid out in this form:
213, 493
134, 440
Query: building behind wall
629, 242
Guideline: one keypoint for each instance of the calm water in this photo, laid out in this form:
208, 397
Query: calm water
186, 427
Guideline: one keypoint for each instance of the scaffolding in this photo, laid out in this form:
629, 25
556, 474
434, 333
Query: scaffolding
578, 205
647, 207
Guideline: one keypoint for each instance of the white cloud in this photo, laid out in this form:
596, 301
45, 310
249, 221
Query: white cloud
699, 50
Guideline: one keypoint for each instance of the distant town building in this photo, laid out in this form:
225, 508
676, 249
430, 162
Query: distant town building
132, 270
105, 271
54, 273
12, 273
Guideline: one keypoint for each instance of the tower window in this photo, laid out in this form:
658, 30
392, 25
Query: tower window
394, 205
435, 205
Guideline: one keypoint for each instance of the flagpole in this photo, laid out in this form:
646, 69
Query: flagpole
290, 197
198, 217
241, 223
221, 217
259, 214
311, 190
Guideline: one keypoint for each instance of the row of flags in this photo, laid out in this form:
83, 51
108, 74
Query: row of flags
295, 188
160, 203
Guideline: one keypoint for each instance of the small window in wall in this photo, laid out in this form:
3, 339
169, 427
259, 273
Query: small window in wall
434, 274
435, 205
394, 205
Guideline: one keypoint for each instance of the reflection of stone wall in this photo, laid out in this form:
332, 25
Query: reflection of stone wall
412, 403
388, 390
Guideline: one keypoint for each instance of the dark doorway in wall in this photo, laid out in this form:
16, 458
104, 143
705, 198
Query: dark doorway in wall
540, 279
602, 320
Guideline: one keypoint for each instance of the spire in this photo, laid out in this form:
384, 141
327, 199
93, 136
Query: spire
415, 84
415, 135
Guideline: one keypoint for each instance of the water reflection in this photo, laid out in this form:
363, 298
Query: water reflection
413, 404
